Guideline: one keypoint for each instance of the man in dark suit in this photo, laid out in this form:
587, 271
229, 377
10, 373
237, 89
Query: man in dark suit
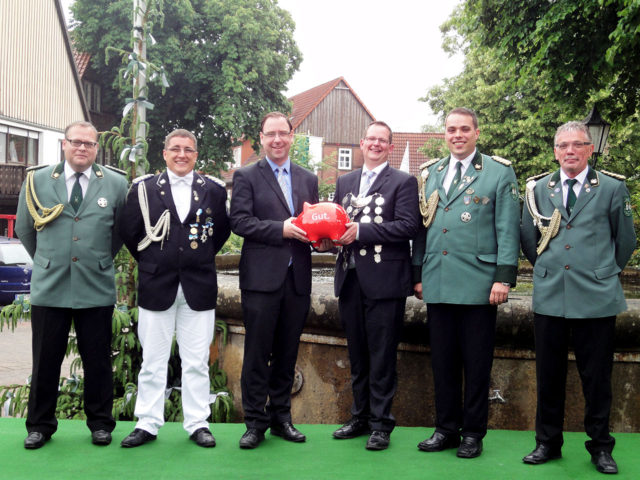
577, 232
373, 280
466, 260
73, 246
275, 279
173, 224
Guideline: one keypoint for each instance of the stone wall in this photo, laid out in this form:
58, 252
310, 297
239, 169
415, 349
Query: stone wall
323, 392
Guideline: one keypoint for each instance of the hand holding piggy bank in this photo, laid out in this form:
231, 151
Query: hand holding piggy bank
322, 220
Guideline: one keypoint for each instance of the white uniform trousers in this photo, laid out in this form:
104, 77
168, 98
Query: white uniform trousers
194, 334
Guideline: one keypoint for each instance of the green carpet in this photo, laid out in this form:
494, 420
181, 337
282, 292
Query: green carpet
70, 455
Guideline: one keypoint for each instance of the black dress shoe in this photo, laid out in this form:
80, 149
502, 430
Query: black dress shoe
378, 440
470, 447
287, 431
439, 442
251, 438
604, 462
353, 428
542, 454
35, 440
101, 437
136, 438
203, 438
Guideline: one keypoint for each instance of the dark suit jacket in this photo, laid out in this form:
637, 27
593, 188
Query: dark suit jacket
391, 277
258, 210
161, 266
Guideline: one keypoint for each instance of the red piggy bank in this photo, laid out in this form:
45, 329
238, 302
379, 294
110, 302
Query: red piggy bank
322, 220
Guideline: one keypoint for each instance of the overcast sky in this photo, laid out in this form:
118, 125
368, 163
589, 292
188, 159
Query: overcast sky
390, 52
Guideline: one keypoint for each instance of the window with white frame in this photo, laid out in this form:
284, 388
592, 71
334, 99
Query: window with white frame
344, 159
18, 146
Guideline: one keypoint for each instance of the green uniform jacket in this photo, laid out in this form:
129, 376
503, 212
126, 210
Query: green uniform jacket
73, 255
577, 275
474, 238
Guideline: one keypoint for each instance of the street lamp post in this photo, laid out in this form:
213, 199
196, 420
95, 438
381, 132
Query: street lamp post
599, 129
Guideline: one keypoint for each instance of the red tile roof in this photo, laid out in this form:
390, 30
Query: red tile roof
415, 141
82, 61
305, 102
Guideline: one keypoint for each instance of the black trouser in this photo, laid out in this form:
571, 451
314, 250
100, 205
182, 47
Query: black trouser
50, 329
373, 331
273, 322
462, 338
592, 340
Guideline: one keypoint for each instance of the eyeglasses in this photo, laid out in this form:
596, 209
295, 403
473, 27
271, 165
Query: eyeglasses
575, 145
382, 141
177, 150
271, 135
80, 143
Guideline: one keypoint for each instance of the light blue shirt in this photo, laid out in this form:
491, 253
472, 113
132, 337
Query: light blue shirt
287, 178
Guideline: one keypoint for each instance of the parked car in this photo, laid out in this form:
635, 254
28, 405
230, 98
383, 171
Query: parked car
15, 270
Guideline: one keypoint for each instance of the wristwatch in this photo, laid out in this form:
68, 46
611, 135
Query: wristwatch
506, 284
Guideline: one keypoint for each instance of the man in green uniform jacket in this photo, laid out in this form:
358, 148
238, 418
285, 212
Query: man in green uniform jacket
577, 232
465, 260
73, 278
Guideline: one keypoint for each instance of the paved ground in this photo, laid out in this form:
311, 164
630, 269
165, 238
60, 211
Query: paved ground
15, 355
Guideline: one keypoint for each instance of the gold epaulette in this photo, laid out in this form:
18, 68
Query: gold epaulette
428, 163
503, 161
143, 177
617, 176
35, 167
114, 169
536, 177
216, 180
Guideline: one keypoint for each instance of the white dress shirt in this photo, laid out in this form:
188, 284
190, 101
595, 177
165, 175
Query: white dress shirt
451, 172
181, 192
70, 180
363, 179
581, 177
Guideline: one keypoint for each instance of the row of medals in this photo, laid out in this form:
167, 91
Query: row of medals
354, 206
207, 229
466, 216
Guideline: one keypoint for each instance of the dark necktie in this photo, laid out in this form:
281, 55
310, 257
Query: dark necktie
456, 180
571, 197
76, 193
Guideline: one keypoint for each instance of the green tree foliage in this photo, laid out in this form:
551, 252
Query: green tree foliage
227, 62
299, 152
531, 65
521, 97
510, 124
579, 47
